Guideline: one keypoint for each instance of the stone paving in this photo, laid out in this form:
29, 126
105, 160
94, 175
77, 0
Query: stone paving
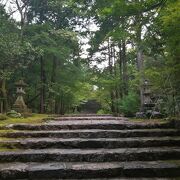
90, 147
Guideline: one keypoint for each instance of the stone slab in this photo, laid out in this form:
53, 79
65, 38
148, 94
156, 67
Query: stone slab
40, 143
89, 118
89, 170
74, 125
85, 115
91, 155
93, 133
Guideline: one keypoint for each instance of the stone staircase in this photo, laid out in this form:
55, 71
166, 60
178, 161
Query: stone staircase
90, 147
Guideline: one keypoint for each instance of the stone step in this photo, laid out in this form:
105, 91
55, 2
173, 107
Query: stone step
91, 155
102, 124
119, 178
88, 118
85, 115
93, 133
89, 170
40, 143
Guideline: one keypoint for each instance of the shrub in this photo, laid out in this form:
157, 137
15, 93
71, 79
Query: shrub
129, 105
3, 117
13, 114
102, 111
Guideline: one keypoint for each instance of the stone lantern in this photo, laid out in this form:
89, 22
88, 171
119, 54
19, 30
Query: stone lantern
19, 104
148, 107
148, 103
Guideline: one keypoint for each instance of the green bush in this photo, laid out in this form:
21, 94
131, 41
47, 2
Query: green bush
103, 111
3, 117
129, 105
13, 114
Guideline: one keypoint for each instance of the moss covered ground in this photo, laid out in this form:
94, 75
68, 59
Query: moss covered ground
148, 120
34, 119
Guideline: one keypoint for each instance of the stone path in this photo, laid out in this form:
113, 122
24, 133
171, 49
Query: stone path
90, 147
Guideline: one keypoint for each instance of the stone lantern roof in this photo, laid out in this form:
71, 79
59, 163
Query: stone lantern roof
20, 83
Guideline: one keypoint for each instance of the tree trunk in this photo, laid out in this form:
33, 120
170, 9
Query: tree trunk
111, 73
120, 70
53, 80
43, 86
140, 69
116, 75
54, 67
140, 60
116, 92
125, 73
4, 94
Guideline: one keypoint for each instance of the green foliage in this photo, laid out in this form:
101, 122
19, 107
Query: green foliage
103, 111
13, 114
129, 105
45, 51
3, 117
35, 119
170, 18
